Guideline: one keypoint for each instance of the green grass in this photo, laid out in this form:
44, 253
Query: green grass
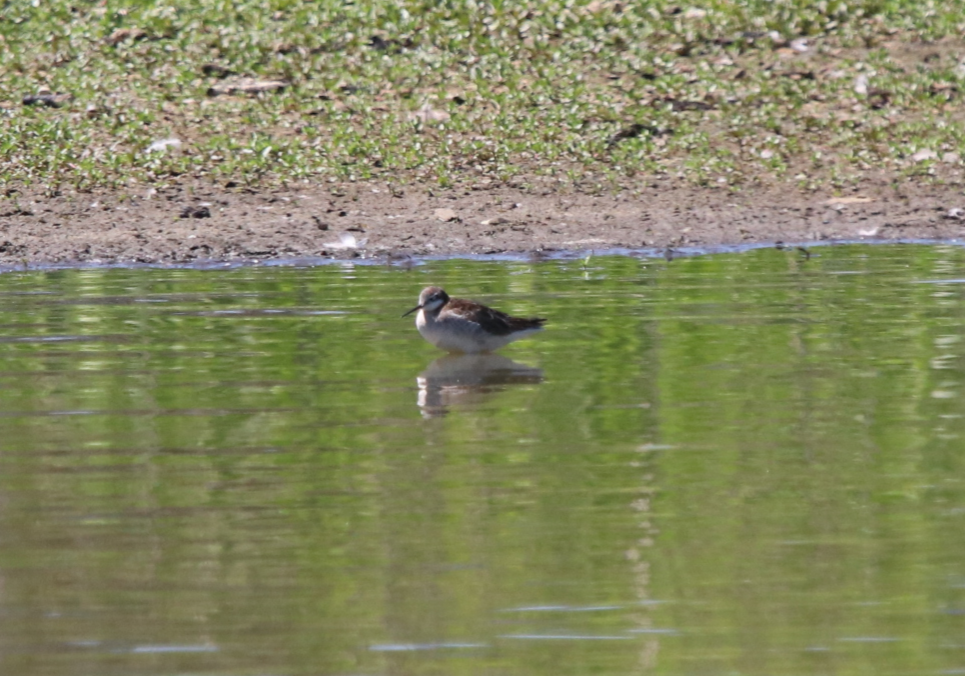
533, 92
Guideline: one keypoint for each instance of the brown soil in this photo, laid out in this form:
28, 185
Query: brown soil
186, 223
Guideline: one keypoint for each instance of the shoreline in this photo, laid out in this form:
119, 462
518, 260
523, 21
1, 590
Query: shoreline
805, 249
205, 225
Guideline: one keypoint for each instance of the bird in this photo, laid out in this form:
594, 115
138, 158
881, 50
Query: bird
459, 325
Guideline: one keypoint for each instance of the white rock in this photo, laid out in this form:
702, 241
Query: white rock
163, 144
346, 241
923, 155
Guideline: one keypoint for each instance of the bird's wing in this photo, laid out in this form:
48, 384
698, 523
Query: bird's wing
495, 322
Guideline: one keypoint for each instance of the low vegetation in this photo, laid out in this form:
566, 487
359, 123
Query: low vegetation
559, 94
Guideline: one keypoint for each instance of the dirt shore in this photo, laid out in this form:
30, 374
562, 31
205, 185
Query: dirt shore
191, 223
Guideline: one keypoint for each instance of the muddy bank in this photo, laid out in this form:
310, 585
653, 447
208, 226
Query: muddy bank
188, 223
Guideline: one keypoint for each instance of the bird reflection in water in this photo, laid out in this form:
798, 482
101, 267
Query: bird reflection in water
467, 380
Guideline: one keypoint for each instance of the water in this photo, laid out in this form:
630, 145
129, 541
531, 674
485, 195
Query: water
733, 464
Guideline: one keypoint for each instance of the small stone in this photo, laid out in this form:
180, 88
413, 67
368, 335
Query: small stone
163, 144
246, 85
924, 155
196, 212
429, 115
446, 215
346, 240
850, 199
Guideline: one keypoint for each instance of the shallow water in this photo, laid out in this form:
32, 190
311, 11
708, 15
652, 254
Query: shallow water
726, 464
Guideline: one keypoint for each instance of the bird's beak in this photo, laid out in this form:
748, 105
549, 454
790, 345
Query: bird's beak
417, 307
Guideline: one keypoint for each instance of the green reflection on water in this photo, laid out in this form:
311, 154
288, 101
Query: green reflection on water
729, 464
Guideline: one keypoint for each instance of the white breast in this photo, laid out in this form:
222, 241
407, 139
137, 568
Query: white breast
456, 334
